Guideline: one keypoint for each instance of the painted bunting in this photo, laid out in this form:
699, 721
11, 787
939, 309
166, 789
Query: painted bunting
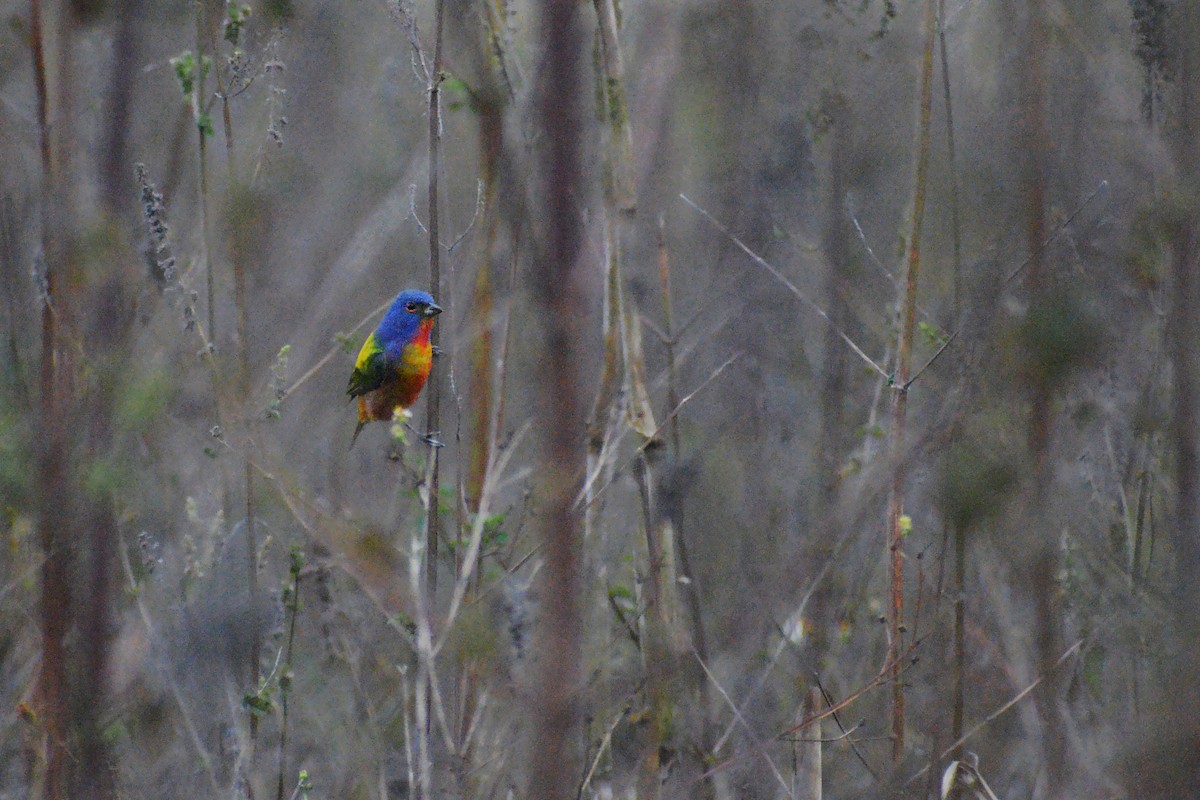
394, 361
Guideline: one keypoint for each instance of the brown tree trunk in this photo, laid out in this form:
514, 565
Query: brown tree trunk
554, 767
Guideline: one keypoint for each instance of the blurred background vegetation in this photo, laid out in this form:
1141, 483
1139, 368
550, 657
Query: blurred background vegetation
790, 582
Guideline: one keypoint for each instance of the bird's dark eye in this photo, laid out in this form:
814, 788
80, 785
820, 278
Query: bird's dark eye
410, 306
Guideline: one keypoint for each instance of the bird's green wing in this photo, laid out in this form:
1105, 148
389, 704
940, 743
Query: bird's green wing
369, 369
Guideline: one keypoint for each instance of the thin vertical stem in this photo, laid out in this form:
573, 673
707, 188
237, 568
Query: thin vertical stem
833, 378
37, 48
240, 207
654, 645
960, 539
664, 278
55, 598
1034, 136
199, 92
1185, 255
433, 409
482, 306
808, 768
622, 188
960, 650
199, 85
125, 48
292, 604
955, 226
690, 586
895, 533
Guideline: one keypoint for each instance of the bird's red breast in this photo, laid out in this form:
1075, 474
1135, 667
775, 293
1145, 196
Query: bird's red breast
401, 388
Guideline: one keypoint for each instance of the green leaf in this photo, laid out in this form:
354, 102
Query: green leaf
296, 556
304, 785
874, 431
932, 333
204, 123
236, 15
184, 65
15, 455
144, 400
456, 92
258, 704
620, 591
105, 477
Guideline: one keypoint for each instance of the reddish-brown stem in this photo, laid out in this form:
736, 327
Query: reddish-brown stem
895, 532
55, 583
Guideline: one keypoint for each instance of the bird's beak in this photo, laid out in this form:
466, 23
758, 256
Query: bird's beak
432, 310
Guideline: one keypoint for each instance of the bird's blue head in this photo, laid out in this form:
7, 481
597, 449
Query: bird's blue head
402, 321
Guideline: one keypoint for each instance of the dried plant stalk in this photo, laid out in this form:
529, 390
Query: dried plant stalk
908, 306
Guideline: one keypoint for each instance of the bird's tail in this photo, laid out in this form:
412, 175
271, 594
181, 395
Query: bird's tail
363, 418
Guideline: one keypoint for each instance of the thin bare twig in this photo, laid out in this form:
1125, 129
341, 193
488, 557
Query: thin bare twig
932, 359
880, 678
176, 694
845, 734
838, 720
333, 351
992, 717
1046, 243
474, 216
583, 495
433, 405
495, 469
862, 237
791, 287
405, 704
402, 13
604, 742
1049, 240
955, 223
428, 697
738, 715
892, 279
415, 217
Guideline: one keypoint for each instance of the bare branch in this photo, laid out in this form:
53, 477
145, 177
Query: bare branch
992, 717
333, 351
791, 287
604, 742
1057, 232
474, 216
654, 438
741, 719
494, 470
402, 13
934, 358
